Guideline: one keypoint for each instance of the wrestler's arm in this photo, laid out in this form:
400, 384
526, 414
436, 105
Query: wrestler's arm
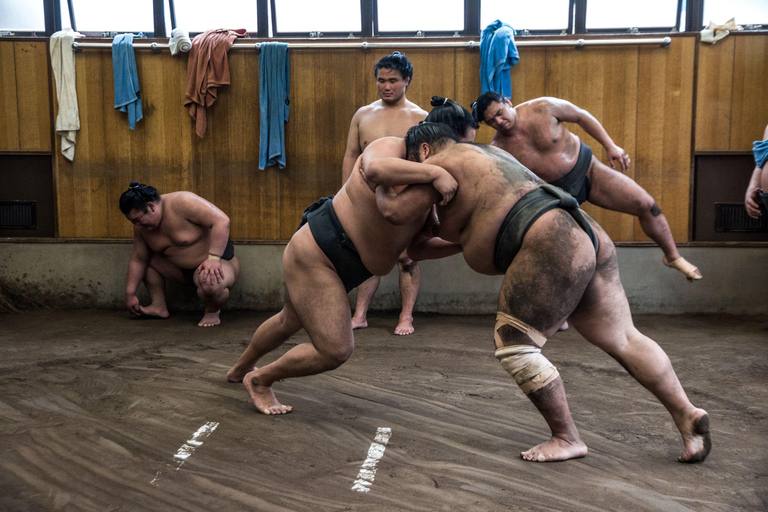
406, 206
207, 215
431, 248
353, 148
137, 268
751, 199
566, 111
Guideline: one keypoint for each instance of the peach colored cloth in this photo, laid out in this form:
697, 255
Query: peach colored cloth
207, 70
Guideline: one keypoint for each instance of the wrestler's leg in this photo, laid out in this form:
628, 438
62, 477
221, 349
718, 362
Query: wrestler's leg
541, 287
410, 280
604, 319
321, 304
364, 296
158, 269
271, 334
215, 294
614, 191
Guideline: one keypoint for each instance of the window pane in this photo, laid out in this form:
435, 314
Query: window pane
198, 16
425, 15
525, 14
746, 12
113, 16
306, 16
648, 13
22, 15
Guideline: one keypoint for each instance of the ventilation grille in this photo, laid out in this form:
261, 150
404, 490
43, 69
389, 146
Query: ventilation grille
18, 214
733, 217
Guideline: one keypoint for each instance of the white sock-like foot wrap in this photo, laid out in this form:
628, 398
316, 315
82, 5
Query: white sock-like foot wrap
531, 370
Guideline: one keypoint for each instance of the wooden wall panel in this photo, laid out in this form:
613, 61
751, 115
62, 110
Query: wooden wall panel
602, 81
750, 100
714, 94
9, 109
34, 97
664, 121
327, 88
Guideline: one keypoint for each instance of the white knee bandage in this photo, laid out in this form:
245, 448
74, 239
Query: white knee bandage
531, 370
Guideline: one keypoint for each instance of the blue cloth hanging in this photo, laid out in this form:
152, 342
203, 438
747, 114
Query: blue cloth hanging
274, 88
498, 54
760, 150
126, 78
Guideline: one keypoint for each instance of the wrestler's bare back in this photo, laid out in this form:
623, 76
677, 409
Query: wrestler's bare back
540, 141
490, 182
182, 241
378, 242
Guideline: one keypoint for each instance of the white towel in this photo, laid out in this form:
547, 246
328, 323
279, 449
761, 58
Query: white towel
63, 64
179, 41
714, 32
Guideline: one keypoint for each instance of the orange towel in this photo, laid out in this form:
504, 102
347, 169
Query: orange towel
207, 70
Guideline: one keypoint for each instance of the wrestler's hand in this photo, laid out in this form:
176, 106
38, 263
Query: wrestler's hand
371, 186
132, 302
616, 153
446, 185
211, 271
751, 202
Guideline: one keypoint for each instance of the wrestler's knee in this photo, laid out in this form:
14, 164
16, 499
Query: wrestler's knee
211, 289
407, 265
336, 356
531, 370
645, 205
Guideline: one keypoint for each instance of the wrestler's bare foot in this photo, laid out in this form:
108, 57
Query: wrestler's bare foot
359, 324
262, 396
696, 437
554, 450
210, 319
404, 326
236, 374
153, 312
691, 272
563, 327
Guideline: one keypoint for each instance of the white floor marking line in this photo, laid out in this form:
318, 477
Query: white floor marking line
375, 453
183, 453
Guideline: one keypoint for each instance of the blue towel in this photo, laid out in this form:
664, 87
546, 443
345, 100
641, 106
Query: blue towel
498, 54
127, 94
760, 150
274, 85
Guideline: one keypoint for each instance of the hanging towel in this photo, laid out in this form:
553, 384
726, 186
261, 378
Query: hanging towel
127, 94
760, 152
274, 85
179, 41
63, 64
498, 54
714, 32
207, 70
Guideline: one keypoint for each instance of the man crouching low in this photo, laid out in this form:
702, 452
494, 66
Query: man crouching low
182, 237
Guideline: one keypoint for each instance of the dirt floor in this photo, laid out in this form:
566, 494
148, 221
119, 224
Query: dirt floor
95, 406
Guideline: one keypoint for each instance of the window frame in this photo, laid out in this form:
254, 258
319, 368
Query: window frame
426, 33
539, 32
320, 35
638, 30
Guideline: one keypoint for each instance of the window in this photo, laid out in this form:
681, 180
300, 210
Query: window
543, 15
746, 12
22, 15
197, 16
609, 14
305, 16
410, 16
100, 16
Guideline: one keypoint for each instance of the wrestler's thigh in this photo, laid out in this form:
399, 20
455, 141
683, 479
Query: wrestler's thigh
165, 268
613, 190
317, 293
603, 316
548, 276
231, 269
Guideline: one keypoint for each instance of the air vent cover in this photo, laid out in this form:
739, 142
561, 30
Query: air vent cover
733, 217
18, 214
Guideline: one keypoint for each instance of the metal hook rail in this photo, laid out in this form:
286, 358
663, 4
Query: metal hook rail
664, 42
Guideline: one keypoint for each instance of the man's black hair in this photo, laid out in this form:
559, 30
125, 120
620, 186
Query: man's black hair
397, 61
481, 105
434, 134
451, 113
137, 196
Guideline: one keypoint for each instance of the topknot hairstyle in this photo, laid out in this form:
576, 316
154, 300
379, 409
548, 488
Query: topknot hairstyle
137, 196
451, 113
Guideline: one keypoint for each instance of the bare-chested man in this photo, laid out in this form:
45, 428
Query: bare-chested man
534, 133
757, 190
342, 241
182, 237
557, 263
389, 116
